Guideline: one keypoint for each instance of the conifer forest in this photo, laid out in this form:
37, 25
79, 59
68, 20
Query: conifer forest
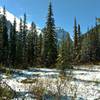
48, 63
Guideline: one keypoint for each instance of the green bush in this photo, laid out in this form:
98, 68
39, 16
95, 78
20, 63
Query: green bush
5, 93
29, 81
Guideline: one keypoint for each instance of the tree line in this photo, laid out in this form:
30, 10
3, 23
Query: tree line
26, 48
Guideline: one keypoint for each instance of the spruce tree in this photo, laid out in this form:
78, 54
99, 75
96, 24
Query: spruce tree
75, 35
97, 42
24, 33
32, 45
79, 37
39, 49
35, 45
61, 64
1, 40
19, 44
79, 43
87, 47
5, 40
50, 41
13, 44
75, 51
65, 54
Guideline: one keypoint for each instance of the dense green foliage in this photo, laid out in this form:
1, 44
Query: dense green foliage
6, 93
13, 44
26, 48
5, 40
50, 41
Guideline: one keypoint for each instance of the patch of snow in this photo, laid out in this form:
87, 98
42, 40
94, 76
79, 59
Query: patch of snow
17, 86
87, 88
10, 17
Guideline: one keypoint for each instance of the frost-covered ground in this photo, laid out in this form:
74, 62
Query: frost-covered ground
85, 79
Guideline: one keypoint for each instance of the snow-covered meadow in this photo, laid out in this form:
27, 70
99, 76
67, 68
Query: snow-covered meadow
84, 85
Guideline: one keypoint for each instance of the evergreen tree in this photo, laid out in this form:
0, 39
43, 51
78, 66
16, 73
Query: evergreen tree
97, 42
24, 33
19, 44
95, 54
61, 64
39, 49
32, 45
68, 49
65, 57
5, 40
75, 35
85, 48
1, 40
94, 45
13, 44
50, 41
79, 37
35, 45
89, 46
79, 43
75, 52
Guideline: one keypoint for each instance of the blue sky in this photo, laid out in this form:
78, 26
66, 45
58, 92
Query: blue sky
64, 12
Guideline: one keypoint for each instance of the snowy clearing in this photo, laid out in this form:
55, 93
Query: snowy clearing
86, 82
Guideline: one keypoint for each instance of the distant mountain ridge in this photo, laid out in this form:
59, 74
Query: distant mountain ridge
10, 19
60, 32
92, 29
